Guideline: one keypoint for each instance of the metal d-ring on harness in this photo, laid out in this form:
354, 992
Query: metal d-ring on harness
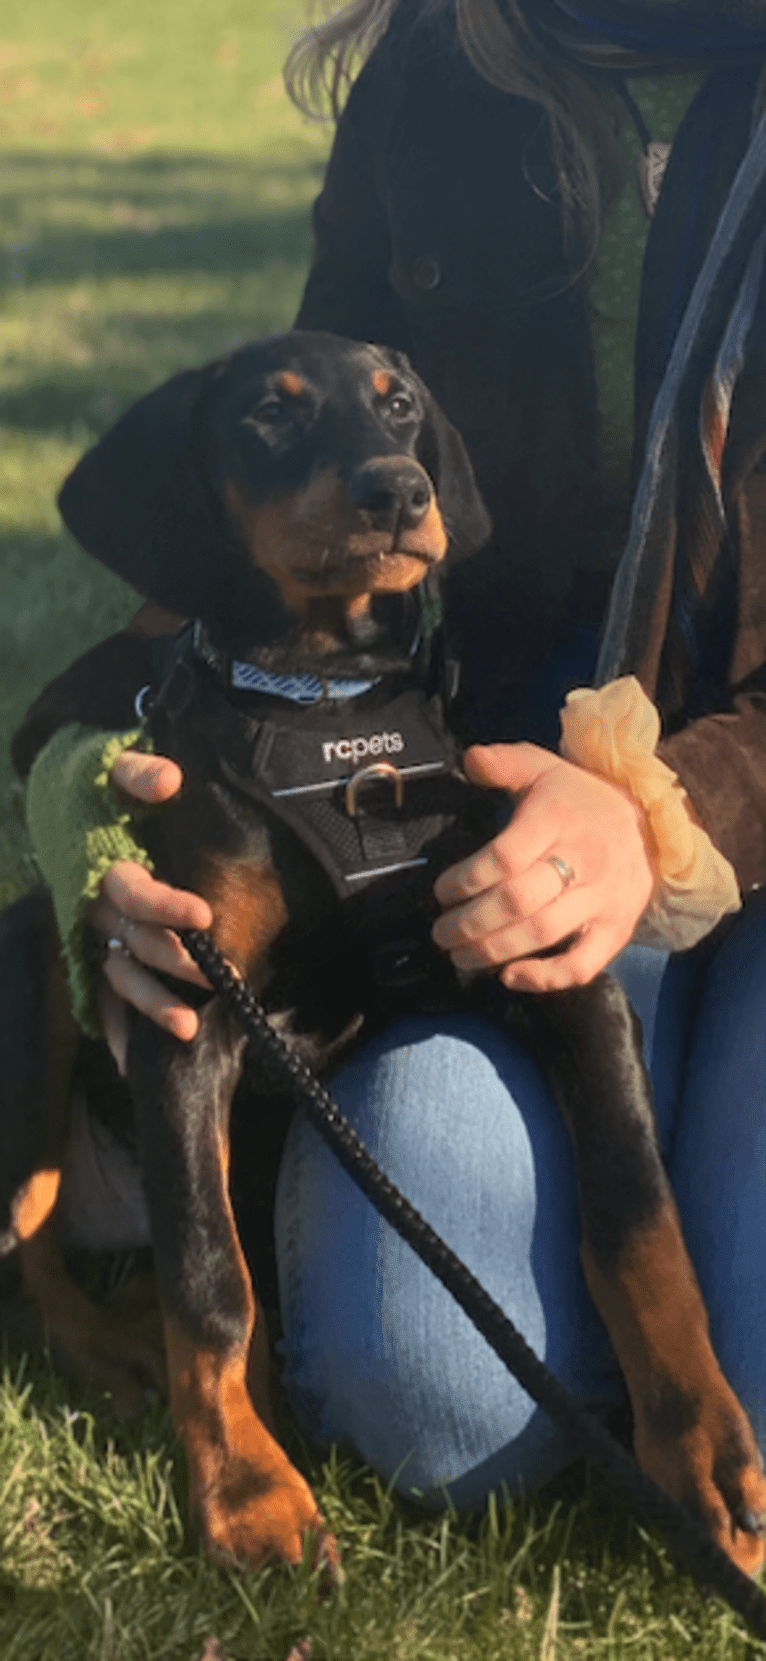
376, 770
711, 1565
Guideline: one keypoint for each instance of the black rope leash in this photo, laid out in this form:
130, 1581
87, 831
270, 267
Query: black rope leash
714, 1569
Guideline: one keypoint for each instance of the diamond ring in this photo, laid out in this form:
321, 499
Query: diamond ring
562, 869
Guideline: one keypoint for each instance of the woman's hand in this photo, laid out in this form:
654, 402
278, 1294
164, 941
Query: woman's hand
572, 863
134, 907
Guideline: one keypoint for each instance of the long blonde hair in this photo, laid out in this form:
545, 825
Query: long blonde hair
509, 55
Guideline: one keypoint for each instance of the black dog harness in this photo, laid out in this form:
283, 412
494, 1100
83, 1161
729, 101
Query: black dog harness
366, 775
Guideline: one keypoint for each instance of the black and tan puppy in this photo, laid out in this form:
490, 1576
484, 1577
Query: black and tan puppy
298, 499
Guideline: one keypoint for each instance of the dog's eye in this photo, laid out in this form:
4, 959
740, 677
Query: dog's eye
401, 406
270, 410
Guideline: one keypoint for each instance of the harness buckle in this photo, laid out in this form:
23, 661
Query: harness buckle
376, 770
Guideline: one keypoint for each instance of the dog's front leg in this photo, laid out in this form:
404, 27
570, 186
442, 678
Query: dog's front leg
250, 1500
690, 1431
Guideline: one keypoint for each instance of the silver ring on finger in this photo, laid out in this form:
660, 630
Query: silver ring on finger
115, 943
563, 870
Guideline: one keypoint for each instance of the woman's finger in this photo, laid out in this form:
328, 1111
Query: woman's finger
141, 898
146, 778
475, 875
537, 827
150, 943
522, 770
587, 957
129, 980
511, 767
567, 915
495, 908
114, 1020
155, 948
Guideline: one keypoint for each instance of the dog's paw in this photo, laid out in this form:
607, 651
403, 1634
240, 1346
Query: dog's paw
253, 1517
700, 1449
250, 1501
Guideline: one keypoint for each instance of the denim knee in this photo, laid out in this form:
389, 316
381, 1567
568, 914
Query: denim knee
376, 1351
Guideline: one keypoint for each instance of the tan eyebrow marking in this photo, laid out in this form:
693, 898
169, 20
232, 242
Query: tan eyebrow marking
381, 381
287, 381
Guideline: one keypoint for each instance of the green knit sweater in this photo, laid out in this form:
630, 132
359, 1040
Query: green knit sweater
80, 827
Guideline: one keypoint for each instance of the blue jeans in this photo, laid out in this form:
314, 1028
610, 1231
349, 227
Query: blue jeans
378, 1355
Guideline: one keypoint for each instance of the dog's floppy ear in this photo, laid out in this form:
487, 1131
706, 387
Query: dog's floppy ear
443, 454
139, 503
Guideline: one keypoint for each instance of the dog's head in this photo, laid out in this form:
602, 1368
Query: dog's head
299, 468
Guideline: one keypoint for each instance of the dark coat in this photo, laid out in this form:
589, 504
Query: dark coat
430, 236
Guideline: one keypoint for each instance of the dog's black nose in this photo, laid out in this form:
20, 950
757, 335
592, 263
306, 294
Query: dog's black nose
395, 491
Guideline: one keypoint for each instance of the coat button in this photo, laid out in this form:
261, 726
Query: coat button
426, 271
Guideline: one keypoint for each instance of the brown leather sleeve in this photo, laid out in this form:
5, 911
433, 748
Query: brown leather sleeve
721, 761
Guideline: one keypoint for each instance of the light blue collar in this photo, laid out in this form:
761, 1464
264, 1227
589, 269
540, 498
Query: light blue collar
300, 689
248, 677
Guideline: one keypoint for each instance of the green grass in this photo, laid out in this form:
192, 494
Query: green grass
97, 1563
154, 204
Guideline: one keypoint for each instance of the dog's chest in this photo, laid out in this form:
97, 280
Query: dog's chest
358, 803
371, 788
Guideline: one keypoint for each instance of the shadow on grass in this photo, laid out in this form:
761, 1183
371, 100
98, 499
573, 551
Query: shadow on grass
56, 602
95, 395
212, 252
95, 217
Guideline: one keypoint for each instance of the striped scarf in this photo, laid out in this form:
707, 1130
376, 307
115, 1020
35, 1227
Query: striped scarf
671, 619
676, 581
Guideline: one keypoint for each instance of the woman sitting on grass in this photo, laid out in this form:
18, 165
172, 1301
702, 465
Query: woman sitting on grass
518, 190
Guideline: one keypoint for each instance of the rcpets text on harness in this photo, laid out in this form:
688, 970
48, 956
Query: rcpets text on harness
713, 1569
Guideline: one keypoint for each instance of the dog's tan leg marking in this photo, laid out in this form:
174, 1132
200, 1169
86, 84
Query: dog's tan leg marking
35, 1203
691, 1433
259, 1371
358, 606
109, 1352
250, 1500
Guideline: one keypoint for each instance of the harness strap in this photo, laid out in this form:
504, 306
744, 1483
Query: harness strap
370, 784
